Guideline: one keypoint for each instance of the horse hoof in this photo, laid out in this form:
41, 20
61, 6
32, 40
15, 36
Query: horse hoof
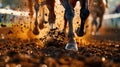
79, 32
35, 31
71, 46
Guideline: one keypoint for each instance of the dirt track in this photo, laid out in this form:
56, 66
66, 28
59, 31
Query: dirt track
48, 51
19, 47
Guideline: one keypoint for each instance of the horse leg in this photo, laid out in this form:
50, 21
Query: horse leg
65, 24
100, 24
50, 5
35, 30
94, 22
106, 3
42, 18
69, 14
84, 13
73, 4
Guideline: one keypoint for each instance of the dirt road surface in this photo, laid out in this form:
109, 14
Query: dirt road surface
101, 50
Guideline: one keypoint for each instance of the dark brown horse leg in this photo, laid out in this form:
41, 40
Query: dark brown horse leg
35, 30
72, 3
69, 14
50, 5
84, 13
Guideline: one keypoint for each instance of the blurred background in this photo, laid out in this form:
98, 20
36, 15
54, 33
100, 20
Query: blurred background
113, 11
9, 10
